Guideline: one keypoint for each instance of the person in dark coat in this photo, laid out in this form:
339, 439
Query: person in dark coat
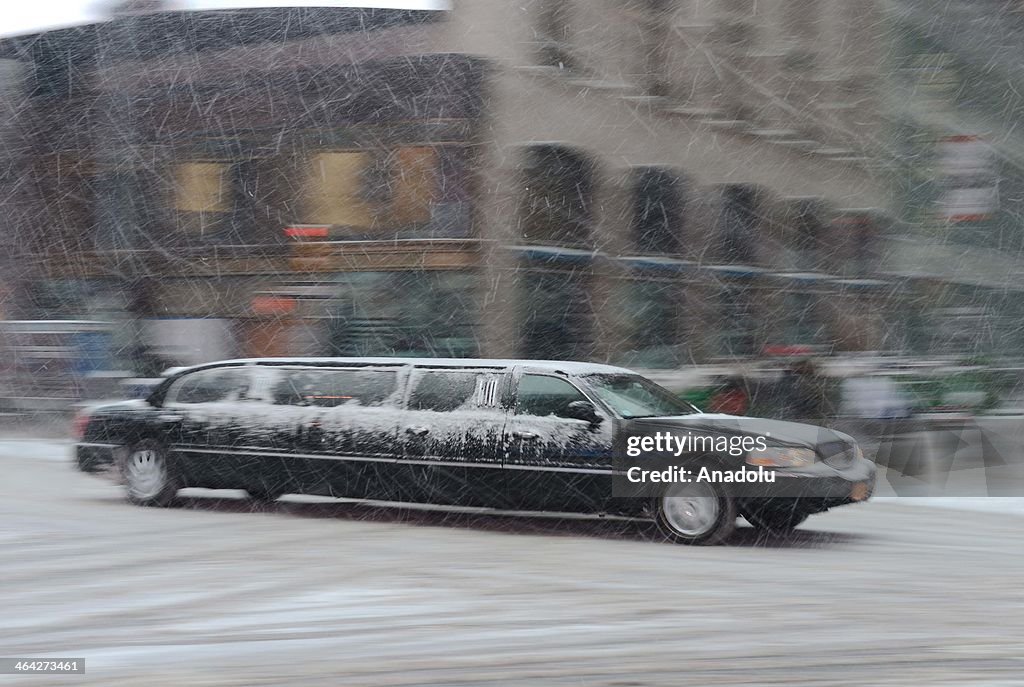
731, 398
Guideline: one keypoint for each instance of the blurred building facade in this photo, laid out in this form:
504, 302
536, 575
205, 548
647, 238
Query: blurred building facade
957, 83
651, 183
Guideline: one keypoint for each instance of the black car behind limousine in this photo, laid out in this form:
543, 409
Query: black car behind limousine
507, 434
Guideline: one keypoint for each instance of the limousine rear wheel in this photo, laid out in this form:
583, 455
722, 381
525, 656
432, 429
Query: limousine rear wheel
695, 513
148, 477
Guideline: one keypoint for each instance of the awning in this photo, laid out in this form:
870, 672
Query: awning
555, 254
650, 262
735, 271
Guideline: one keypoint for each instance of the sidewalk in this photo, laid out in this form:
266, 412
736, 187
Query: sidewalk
35, 426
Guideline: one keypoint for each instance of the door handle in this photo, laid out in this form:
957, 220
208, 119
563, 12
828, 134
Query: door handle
417, 431
169, 419
528, 436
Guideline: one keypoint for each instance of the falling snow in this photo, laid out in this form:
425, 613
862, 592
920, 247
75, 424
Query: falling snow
804, 219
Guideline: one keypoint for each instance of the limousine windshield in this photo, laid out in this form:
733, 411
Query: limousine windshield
632, 396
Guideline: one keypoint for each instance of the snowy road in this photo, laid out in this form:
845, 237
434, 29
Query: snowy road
342, 594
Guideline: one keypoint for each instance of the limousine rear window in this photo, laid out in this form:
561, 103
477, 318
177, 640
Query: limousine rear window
332, 388
633, 396
443, 391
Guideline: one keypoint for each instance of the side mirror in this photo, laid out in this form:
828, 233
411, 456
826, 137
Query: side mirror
582, 410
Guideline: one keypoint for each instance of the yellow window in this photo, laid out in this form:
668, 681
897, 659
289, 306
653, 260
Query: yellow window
334, 190
414, 185
202, 187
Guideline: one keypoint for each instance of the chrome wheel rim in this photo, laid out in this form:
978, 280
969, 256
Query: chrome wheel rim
691, 509
146, 473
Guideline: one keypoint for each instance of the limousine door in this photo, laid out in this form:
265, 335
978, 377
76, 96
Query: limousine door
451, 433
332, 431
199, 421
556, 460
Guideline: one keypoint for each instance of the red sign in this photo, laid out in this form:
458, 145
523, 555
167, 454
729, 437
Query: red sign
307, 232
273, 305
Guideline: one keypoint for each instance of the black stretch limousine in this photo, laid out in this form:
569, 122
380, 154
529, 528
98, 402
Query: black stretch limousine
516, 434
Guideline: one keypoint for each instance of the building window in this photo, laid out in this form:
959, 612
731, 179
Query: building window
404, 189
126, 213
414, 184
739, 221
338, 186
657, 211
856, 235
451, 214
808, 235
652, 309
202, 195
656, 36
557, 198
416, 314
804, 326
554, 47
68, 181
557, 318
736, 321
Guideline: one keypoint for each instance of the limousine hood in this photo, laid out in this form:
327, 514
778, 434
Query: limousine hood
113, 406
777, 432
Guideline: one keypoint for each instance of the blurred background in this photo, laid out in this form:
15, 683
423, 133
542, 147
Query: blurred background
716, 193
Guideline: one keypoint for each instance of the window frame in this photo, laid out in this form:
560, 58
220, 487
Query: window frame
495, 389
171, 398
513, 398
275, 375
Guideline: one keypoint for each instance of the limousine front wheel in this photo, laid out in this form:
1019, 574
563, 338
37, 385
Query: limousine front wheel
147, 476
695, 513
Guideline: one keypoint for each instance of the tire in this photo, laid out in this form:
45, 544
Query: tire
775, 521
695, 513
148, 477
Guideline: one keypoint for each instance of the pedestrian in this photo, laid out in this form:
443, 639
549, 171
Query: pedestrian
805, 393
731, 398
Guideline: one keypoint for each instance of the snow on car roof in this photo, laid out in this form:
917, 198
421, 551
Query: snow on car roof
568, 367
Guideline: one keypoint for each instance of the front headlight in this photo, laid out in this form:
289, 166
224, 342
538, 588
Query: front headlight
781, 457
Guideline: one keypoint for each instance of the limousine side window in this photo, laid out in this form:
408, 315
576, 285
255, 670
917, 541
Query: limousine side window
209, 386
332, 388
542, 395
443, 390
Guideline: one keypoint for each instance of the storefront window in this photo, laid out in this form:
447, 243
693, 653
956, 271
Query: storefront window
416, 314
557, 317
657, 211
738, 224
736, 321
652, 314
